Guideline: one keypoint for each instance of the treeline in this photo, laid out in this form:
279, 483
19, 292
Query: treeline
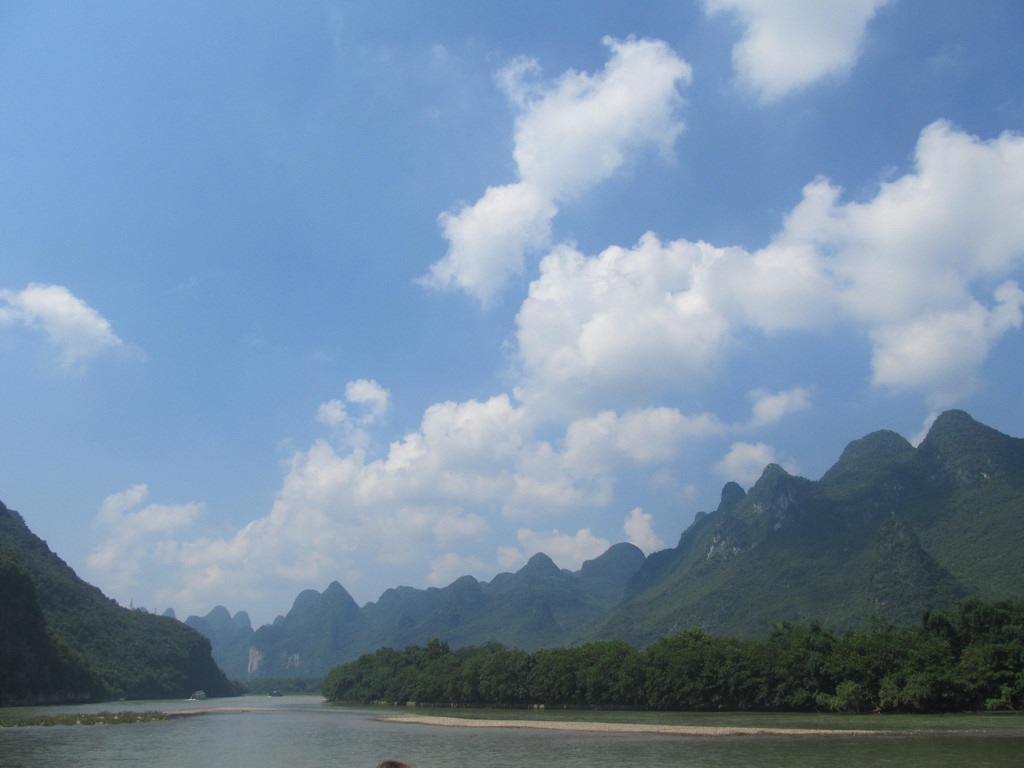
971, 658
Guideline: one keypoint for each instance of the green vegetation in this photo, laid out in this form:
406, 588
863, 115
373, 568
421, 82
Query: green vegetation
78, 718
888, 532
539, 606
967, 659
64, 640
35, 666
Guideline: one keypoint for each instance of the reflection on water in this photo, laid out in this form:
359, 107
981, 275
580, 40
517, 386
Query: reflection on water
301, 731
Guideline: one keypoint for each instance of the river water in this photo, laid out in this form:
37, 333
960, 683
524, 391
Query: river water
302, 732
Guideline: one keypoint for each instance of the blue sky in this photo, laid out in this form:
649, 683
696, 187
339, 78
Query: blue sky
390, 293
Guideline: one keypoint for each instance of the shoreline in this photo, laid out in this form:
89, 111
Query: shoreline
670, 730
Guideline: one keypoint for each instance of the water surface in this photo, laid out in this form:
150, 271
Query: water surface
303, 731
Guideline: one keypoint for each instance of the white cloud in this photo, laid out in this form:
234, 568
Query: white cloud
137, 540
788, 44
428, 499
374, 401
372, 396
595, 444
115, 505
454, 527
450, 566
943, 353
569, 136
568, 551
639, 531
78, 329
745, 462
626, 323
921, 255
771, 408
332, 413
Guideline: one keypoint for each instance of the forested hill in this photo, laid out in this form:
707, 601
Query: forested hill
62, 639
889, 532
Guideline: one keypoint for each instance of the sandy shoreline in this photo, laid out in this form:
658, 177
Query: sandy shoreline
675, 730
444, 721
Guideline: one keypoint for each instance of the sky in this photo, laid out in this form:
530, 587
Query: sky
391, 293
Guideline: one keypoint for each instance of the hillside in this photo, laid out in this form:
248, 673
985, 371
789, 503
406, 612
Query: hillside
538, 606
888, 532
229, 637
101, 649
35, 667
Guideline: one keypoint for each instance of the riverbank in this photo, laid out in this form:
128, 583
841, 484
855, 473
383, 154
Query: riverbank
654, 728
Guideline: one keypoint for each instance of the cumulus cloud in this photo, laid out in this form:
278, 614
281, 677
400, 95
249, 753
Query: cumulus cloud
368, 393
450, 566
137, 537
909, 267
745, 462
569, 136
788, 44
374, 402
771, 408
69, 323
625, 322
428, 499
594, 444
639, 531
568, 551
943, 353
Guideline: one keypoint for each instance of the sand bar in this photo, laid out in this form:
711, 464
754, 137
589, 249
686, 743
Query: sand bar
673, 730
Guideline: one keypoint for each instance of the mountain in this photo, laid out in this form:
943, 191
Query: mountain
318, 627
888, 532
229, 637
35, 667
62, 639
538, 606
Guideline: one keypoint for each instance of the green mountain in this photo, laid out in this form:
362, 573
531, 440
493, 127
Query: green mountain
538, 606
317, 628
86, 646
35, 667
229, 637
888, 532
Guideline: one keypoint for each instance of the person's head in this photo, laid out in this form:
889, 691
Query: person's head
393, 764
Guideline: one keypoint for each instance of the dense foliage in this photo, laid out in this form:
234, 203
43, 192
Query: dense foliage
970, 658
35, 667
890, 530
107, 651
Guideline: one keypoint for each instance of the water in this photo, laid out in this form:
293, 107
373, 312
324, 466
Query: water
302, 732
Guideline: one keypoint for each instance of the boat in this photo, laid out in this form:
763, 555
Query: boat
198, 696
276, 692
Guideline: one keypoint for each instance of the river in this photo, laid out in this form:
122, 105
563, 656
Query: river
302, 731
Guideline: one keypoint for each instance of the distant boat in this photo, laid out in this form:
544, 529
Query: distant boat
276, 692
197, 696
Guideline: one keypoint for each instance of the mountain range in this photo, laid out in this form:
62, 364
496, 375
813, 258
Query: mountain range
888, 532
